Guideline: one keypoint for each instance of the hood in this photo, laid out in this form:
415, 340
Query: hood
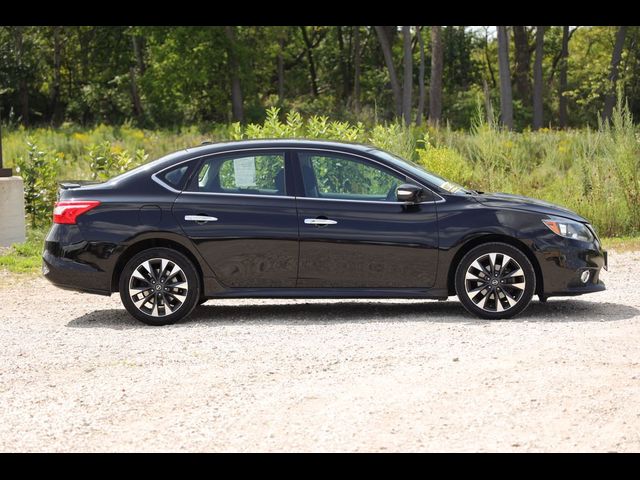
519, 202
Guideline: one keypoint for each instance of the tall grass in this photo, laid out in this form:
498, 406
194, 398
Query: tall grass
595, 172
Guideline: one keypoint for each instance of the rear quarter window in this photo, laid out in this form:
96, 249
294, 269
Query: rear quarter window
176, 177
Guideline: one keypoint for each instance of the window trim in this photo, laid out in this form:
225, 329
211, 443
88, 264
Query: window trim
440, 198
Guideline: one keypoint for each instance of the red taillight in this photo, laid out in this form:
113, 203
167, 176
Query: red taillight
67, 212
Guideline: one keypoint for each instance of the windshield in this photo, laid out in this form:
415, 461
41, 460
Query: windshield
423, 174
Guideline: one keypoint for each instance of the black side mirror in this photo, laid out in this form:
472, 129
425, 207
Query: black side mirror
409, 193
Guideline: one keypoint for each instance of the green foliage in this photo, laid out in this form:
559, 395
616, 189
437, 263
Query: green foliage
445, 162
38, 171
109, 160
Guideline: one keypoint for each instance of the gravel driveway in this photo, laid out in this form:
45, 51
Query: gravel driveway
78, 374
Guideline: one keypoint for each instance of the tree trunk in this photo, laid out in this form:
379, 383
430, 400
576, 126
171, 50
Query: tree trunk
523, 62
138, 51
344, 68
435, 87
356, 73
234, 70
537, 80
56, 105
385, 44
486, 56
23, 90
407, 89
506, 98
562, 87
281, 70
135, 96
610, 99
312, 64
420, 113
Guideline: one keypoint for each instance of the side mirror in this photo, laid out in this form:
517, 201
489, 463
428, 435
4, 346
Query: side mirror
409, 193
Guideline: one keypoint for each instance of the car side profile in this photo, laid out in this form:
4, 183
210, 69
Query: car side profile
305, 219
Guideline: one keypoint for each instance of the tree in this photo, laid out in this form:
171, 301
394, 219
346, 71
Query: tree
313, 76
435, 87
56, 105
523, 60
616, 56
420, 113
562, 87
506, 98
23, 89
281, 44
237, 107
408, 75
356, 73
385, 45
537, 80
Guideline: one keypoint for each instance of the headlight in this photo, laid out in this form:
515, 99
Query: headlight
569, 229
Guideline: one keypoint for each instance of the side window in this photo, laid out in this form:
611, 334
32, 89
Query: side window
176, 177
347, 178
247, 173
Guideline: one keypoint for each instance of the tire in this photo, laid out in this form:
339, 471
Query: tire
173, 300
497, 289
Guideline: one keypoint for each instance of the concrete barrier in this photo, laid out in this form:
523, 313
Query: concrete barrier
12, 228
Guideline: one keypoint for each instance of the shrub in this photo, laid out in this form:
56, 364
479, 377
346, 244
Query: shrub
109, 160
39, 170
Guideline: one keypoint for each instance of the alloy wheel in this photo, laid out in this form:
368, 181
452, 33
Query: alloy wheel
158, 287
495, 282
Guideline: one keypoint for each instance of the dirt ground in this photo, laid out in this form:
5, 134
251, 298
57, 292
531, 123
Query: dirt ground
77, 373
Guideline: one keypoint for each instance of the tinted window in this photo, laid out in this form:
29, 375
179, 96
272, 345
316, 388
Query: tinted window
340, 177
254, 174
176, 176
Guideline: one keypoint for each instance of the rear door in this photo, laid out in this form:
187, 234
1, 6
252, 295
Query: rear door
353, 231
238, 212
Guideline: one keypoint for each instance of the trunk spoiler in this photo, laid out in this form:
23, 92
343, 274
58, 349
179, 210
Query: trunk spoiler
69, 184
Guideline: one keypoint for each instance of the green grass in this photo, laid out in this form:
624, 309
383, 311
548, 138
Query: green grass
25, 257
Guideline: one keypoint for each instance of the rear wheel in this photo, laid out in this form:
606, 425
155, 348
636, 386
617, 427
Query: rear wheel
159, 286
495, 280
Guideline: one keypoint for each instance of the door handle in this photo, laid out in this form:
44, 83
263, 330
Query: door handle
200, 219
319, 221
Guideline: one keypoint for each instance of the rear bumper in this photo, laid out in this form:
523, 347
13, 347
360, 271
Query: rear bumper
64, 263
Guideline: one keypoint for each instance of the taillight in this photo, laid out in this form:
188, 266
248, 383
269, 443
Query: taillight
67, 212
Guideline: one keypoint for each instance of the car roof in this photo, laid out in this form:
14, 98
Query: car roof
277, 142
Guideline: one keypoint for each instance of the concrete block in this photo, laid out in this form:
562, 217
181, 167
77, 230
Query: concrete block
12, 228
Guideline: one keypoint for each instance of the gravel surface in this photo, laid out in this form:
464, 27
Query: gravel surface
78, 374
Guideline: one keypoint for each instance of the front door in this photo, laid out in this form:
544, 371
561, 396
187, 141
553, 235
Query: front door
353, 231
237, 211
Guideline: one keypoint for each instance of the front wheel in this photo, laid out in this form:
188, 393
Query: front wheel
159, 286
495, 281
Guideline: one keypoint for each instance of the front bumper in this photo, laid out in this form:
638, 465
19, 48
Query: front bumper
563, 261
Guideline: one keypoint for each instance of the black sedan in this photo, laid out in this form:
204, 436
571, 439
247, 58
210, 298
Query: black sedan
302, 218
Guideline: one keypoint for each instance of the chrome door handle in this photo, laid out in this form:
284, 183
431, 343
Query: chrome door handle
200, 218
319, 221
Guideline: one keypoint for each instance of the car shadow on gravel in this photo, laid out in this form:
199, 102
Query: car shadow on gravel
555, 310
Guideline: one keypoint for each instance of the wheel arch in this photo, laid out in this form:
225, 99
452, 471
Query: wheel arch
474, 242
145, 244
